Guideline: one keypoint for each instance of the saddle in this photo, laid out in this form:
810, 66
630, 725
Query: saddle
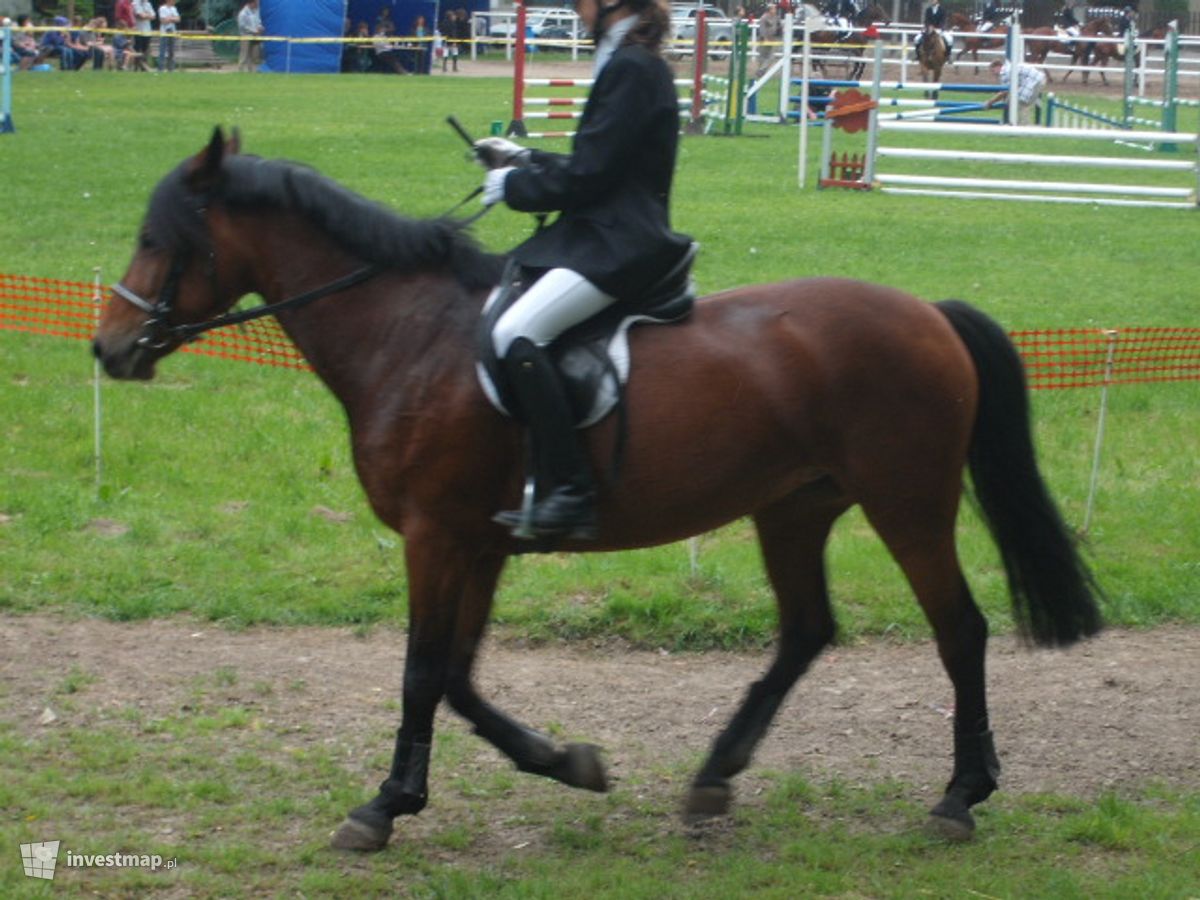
592, 357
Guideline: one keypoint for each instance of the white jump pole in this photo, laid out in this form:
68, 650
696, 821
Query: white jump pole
785, 75
1016, 56
6, 67
97, 300
805, 75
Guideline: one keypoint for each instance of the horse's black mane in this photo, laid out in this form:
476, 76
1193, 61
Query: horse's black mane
363, 227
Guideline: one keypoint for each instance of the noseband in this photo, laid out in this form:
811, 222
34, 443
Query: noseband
156, 332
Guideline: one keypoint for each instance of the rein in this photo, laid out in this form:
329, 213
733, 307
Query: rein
158, 333
474, 217
193, 331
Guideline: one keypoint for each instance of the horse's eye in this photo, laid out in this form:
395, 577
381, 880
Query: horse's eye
145, 242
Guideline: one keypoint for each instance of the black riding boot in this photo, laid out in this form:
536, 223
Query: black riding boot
566, 492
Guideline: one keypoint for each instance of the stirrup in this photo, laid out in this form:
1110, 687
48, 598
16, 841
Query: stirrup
524, 525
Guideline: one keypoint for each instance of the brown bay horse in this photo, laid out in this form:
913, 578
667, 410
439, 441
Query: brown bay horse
851, 44
789, 403
969, 42
931, 56
1041, 42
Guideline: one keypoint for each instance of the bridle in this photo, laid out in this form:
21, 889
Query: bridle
158, 333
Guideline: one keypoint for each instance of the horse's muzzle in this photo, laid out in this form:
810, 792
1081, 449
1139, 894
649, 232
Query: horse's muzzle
125, 360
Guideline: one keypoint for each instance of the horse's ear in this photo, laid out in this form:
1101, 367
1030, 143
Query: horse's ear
205, 168
234, 145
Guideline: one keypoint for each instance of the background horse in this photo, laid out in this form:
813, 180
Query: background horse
993, 41
851, 43
1041, 42
789, 403
1103, 52
931, 56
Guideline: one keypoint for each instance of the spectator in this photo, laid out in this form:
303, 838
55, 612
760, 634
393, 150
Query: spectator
421, 50
75, 50
102, 53
124, 55
357, 57
54, 42
1030, 80
346, 59
389, 56
770, 30
168, 25
384, 24
250, 27
24, 51
464, 34
123, 15
453, 34
143, 16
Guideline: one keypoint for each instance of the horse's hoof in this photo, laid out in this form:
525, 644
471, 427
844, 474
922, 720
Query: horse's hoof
359, 836
706, 801
954, 827
581, 767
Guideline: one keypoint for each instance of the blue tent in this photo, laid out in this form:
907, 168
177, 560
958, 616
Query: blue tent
310, 19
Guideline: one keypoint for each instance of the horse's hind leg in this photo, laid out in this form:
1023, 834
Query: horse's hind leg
919, 532
792, 534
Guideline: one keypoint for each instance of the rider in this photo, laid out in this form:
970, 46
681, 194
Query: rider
611, 241
1126, 20
990, 17
841, 14
1066, 20
935, 23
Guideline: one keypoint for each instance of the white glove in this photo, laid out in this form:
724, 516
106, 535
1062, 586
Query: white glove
493, 185
497, 152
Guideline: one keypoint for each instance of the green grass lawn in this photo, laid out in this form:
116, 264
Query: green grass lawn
243, 805
213, 472
227, 492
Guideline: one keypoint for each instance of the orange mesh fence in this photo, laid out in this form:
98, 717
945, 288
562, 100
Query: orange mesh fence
1054, 359
1091, 357
69, 309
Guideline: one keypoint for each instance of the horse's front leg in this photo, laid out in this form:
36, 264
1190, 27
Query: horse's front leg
577, 765
438, 570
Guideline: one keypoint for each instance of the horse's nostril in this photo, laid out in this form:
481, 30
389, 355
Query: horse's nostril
96, 351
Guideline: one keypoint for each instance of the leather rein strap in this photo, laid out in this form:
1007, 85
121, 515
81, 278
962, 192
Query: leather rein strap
194, 330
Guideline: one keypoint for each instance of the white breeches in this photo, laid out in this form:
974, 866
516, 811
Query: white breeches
556, 301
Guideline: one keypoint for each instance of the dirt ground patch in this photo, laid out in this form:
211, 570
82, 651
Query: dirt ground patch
1114, 713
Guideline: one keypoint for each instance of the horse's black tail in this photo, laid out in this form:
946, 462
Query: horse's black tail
1053, 593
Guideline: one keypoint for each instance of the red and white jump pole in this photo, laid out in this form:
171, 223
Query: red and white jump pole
517, 125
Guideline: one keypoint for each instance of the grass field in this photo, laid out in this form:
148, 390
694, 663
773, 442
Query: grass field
253, 452
228, 493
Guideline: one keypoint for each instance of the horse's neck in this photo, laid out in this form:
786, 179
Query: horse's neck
393, 330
